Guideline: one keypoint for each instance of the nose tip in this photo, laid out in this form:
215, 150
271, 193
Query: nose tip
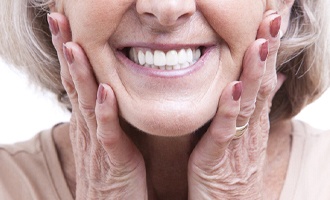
166, 12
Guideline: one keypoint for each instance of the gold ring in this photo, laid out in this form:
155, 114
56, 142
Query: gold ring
240, 131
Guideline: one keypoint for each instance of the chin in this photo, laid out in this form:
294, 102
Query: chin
170, 119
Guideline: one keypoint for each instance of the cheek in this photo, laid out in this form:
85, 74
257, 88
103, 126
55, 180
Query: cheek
93, 22
236, 22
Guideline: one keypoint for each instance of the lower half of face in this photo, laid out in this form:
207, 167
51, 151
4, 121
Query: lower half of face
161, 100
167, 82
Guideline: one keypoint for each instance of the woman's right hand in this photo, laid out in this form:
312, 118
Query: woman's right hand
108, 164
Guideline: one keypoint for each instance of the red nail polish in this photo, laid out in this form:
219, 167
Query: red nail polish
101, 94
263, 51
275, 26
53, 26
237, 91
68, 54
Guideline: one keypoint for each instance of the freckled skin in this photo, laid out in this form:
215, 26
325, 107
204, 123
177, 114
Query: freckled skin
156, 105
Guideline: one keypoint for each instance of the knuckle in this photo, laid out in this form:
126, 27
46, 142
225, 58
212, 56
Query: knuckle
274, 46
108, 139
67, 83
220, 136
79, 74
73, 95
79, 134
266, 88
230, 113
104, 117
247, 109
87, 110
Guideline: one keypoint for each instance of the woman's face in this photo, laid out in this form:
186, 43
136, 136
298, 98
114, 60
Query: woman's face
167, 61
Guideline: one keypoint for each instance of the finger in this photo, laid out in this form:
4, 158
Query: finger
269, 29
212, 146
84, 83
60, 29
121, 151
280, 80
253, 70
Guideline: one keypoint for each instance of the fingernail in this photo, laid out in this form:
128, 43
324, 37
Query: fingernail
53, 26
101, 94
237, 91
275, 26
68, 54
263, 52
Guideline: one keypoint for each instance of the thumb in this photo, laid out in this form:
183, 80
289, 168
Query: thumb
213, 144
121, 151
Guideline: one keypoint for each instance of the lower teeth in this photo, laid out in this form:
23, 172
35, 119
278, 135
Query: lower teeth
174, 67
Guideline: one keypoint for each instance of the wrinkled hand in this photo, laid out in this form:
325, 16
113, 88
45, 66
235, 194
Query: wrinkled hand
222, 166
108, 165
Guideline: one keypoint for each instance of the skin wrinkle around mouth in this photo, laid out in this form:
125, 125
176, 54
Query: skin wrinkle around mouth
103, 51
199, 98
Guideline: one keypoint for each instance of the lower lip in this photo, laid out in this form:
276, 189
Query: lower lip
164, 73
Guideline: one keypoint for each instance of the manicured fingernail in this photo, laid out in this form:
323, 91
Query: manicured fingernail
68, 54
275, 26
263, 51
53, 26
101, 94
237, 91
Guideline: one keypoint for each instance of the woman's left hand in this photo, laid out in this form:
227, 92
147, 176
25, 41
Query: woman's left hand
222, 166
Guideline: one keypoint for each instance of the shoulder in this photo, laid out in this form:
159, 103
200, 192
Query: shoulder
31, 146
313, 143
24, 169
302, 129
309, 166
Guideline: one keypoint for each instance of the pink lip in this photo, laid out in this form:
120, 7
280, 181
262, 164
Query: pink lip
164, 73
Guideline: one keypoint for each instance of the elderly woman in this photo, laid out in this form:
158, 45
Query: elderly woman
185, 99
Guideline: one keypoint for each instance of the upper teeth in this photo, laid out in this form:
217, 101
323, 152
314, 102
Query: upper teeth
172, 59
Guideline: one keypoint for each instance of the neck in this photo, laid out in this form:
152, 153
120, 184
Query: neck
166, 160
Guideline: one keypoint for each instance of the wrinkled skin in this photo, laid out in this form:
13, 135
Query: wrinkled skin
108, 163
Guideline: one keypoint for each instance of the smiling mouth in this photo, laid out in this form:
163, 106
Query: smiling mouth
164, 60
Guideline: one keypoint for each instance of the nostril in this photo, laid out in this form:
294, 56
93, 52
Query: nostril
185, 16
165, 13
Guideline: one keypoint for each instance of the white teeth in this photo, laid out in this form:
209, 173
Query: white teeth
141, 57
189, 55
182, 56
184, 65
177, 66
159, 58
149, 58
197, 54
172, 60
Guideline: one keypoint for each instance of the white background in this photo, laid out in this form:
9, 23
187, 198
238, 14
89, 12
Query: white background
24, 110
